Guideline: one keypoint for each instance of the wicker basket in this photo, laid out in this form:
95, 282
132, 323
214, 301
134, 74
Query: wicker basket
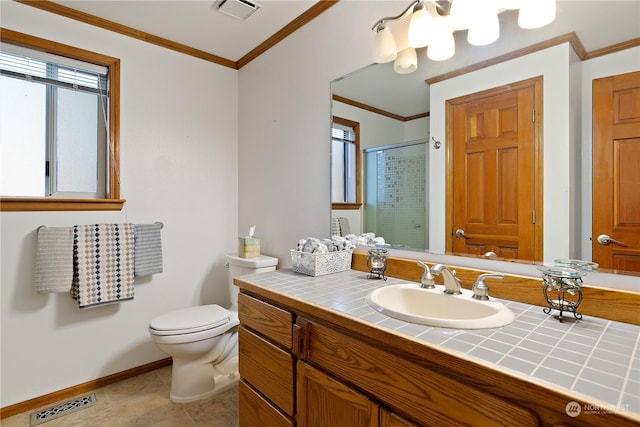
320, 264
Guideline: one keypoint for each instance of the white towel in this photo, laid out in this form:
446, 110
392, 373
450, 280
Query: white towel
103, 258
148, 249
54, 259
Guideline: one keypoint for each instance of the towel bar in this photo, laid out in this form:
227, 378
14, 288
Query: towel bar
160, 223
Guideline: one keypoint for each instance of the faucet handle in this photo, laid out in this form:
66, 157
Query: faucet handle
480, 288
427, 280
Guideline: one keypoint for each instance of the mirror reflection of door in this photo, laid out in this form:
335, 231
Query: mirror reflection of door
493, 199
395, 194
616, 172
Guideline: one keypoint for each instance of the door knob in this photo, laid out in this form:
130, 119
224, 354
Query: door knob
460, 233
605, 240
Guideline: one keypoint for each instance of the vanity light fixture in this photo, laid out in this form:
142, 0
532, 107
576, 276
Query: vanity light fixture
433, 23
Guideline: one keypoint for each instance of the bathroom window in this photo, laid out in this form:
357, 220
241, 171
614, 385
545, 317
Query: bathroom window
59, 131
345, 164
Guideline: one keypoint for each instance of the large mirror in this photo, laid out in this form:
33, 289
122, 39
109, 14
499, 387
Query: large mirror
400, 110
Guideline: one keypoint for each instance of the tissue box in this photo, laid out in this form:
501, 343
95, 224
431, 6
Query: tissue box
248, 247
320, 264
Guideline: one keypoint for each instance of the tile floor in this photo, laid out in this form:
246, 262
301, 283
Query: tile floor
143, 401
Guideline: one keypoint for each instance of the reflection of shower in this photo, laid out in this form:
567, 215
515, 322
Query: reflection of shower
396, 193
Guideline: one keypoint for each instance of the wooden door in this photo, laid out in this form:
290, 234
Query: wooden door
616, 172
326, 402
494, 193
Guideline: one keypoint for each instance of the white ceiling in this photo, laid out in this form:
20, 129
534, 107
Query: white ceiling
196, 23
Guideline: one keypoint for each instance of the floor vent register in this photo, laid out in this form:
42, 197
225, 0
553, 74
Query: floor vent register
61, 409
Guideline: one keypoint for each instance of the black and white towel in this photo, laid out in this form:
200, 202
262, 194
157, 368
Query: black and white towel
103, 263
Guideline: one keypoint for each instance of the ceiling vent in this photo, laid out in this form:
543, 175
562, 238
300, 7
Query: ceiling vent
239, 9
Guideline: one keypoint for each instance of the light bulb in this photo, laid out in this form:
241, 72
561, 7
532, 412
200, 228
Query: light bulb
510, 4
406, 62
462, 12
484, 30
443, 45
384, 46
536, 13
419, 27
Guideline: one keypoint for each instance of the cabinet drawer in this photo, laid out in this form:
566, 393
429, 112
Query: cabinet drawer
254, 410
268, 368
431, 397
272, 322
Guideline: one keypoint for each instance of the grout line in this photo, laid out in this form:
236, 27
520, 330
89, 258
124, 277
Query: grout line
586, 361
628, 374
515, 346
557, 344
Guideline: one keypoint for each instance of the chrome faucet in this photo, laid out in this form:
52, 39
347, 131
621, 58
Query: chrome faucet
481, 289
426, 281
452, 284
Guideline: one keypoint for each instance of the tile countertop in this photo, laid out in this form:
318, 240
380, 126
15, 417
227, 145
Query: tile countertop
593, 356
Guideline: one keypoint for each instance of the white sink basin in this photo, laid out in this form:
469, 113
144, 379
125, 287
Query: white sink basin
432, 307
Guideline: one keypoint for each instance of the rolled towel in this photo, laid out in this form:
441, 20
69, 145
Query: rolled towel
54, 259
321, 248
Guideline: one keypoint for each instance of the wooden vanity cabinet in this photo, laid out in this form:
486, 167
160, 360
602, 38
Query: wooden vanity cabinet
301, 365
278, 389
266, 364
425, 395
311, 375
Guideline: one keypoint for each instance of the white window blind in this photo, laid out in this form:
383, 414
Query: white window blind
42, 67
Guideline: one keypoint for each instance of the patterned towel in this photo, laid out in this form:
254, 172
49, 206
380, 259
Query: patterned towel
54, 259
103, 258
148, 249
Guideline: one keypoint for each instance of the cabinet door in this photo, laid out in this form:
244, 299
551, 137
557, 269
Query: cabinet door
254, 410
326, 402
389, 419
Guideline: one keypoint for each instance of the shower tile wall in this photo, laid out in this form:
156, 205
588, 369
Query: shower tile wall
400, 209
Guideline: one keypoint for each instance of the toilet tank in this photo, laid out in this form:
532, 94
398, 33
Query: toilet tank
238, 266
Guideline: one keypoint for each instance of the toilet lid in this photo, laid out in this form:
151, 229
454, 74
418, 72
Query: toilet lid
192, 319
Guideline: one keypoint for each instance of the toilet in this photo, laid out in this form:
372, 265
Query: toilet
203, 340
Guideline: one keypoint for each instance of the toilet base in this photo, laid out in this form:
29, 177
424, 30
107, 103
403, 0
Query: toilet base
222, 384
185, 388
191, 382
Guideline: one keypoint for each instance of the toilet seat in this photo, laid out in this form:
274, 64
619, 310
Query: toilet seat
192, 320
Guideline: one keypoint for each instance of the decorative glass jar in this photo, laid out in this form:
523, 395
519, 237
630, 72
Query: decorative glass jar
377, 263
562, 288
